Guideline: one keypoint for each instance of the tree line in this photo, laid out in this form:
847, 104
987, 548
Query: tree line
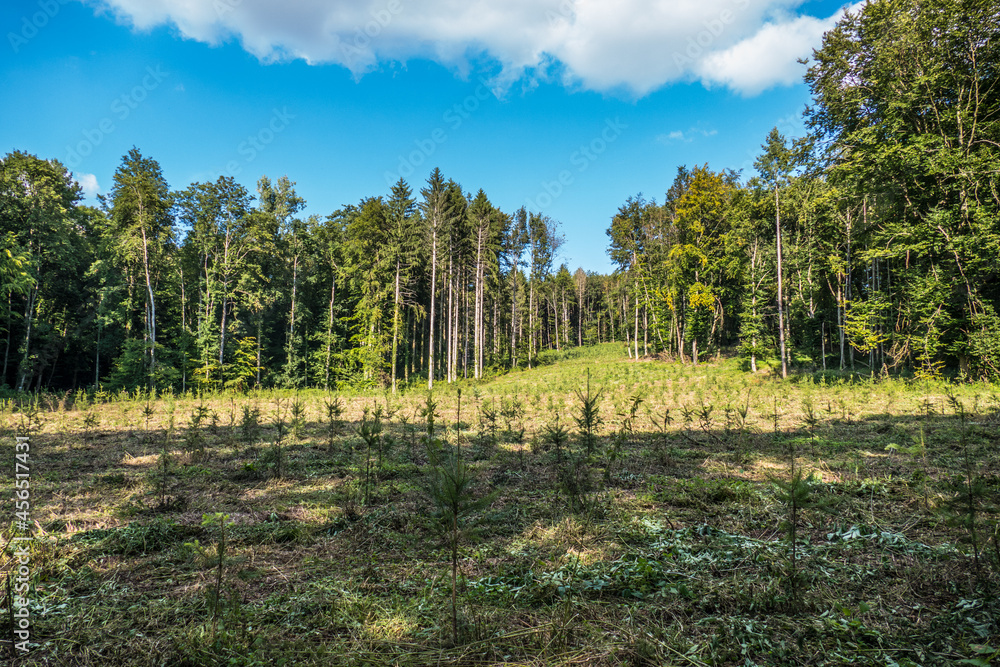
872, 242
213, 287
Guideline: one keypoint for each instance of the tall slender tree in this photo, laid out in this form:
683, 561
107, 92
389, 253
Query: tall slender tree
140, 207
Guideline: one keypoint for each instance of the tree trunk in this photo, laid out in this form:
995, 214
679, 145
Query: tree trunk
260, 334
531, 320
555, 319
449, 334
781, 312
430, 348
395, 328
636, 337
753, 308
6, 352
329, 332
513, 318
152, 302
477, 348
97, 355
222, 339
29, 318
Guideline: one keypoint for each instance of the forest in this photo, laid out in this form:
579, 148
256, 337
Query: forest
868, 244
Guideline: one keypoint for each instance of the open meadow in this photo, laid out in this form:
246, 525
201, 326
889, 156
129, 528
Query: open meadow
668, 515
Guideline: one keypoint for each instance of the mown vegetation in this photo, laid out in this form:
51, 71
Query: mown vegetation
690, 516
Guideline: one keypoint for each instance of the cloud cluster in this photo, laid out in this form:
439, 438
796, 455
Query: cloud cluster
634, 46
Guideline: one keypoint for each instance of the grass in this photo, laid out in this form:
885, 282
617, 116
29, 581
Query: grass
679, 559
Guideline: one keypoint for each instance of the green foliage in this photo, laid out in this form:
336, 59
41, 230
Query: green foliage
194, 437
215, 559
798, 493
297, 421
984, 345
971, 497
277, 451
588, 420
334, 410
241, 373
488, 423
556, 436
250, 425
450, 486
371, 433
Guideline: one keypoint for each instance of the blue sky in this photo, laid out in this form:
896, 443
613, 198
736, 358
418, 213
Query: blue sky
566, 106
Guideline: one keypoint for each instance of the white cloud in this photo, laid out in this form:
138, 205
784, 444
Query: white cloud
89, 184
679, 136
629, 45
765, 59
